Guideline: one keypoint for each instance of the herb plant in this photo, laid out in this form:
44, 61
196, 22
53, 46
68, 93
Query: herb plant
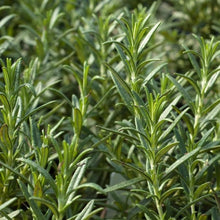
109, 110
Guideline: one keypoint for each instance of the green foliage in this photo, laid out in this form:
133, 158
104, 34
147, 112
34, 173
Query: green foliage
109, 110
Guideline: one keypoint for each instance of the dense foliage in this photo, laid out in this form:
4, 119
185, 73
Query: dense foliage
109, 109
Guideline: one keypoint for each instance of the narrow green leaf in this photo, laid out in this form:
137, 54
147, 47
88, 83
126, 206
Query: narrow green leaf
214, 145
107, 93
144, 64
69, 202
87, 209
5, 7
77, 121
57, 147
120, 47
12, 214
13, 170
126, 27
151, 215
99, 142
152, 74
63, 96
55, 16
212, 80
204, 137
201, 189
135, 169
91, 213
127, 58
53, 129
44, 153
191, 81
31, 30
85, 77
186, 119
122, 87
94, 49
191, 203
147, 38
193, 60
123, 184
17, 75
133, 130
181, 90
5, 101
38, 190
29, 86
119, 133
78, 175
141, 109
172, 125
27, 10
144, 140
166, 112
49, 204
168, 193
93, 186
207, 166
181, 160
32, 203
4, 136
132, 212
79, 157
6, 19
6, 216
7, 203
76, 179
35, 134
42, 171
18, 109
163, 151
210, 107
32, 112
211, 115
65, 33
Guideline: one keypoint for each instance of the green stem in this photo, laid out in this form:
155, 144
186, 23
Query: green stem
156, 189
191, 191
159, 209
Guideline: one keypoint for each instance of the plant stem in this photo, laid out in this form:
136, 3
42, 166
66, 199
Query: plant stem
191, 190
156, 189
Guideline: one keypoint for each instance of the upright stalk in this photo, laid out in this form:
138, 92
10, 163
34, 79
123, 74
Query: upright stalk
208, 51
